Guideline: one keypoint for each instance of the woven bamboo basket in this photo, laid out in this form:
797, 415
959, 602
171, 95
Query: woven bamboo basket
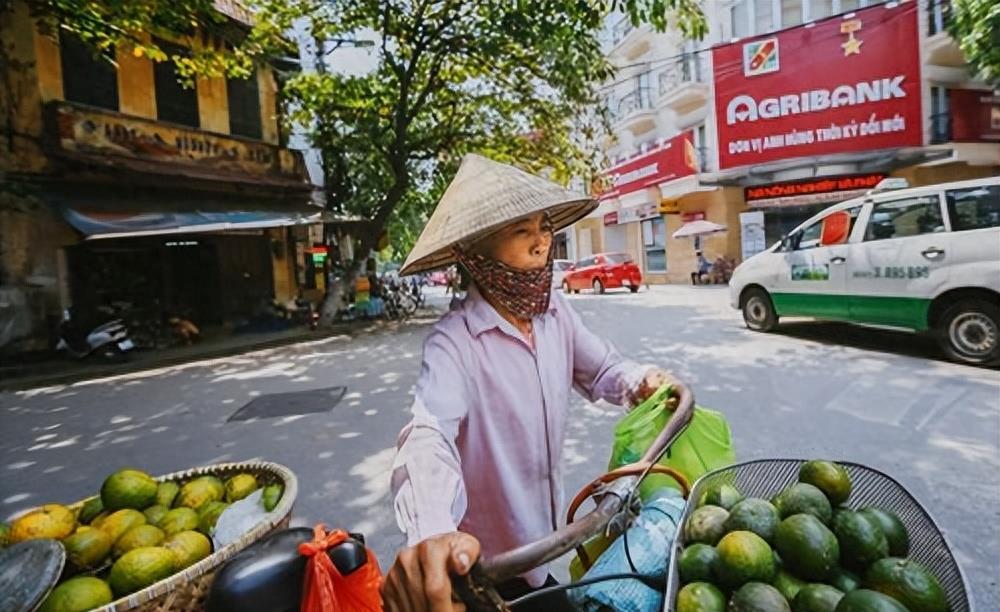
188, 590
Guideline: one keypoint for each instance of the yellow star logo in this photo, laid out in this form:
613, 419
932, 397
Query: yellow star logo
852, 46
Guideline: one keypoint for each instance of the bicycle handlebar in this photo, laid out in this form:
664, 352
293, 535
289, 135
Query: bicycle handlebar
520, 560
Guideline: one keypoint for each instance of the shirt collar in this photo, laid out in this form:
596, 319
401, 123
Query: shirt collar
482, 317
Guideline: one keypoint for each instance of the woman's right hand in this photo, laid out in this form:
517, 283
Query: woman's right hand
420, 579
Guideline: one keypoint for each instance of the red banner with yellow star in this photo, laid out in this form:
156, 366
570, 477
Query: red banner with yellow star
846, 83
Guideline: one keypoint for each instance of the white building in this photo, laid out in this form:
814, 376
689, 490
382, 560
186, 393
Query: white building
665, 163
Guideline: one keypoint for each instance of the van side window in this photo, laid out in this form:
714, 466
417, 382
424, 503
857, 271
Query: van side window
809, 237
905, 217
973, 207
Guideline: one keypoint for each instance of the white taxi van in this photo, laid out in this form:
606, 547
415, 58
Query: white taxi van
925, 259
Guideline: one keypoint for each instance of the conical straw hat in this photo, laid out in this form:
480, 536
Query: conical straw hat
483, 197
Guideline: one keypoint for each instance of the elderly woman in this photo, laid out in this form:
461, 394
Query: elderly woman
479, 468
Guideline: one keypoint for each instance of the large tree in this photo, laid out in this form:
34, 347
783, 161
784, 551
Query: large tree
975, 24
516, 80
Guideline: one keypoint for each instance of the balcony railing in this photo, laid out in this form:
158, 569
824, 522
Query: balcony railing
689, 68
620, 30
940, 128
637, 100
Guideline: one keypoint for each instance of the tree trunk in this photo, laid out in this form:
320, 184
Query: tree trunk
368, 240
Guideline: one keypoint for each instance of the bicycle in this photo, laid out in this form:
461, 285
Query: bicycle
270, 577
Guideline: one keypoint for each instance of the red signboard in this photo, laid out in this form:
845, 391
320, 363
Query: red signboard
812, 186
611, 218
849, 83
675, 159
975, 115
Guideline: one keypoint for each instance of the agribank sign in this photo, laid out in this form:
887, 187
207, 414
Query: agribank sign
848, 83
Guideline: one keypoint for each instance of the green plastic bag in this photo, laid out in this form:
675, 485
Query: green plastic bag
706, 444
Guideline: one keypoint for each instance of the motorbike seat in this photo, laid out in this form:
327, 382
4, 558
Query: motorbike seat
267, 576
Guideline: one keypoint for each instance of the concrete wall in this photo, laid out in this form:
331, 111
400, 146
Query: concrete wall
283, 263
721, 206
930, 175
595, 228
32, 275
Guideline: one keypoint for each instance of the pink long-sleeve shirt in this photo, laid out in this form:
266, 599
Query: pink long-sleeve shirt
483, 453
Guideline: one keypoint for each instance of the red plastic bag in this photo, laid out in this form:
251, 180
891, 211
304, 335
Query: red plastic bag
325, 590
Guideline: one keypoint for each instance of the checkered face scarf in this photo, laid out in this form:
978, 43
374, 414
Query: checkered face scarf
525, 293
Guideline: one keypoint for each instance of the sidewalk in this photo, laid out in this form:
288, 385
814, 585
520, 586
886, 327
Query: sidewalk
64, 370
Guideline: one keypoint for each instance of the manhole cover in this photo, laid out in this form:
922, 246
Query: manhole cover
286, 404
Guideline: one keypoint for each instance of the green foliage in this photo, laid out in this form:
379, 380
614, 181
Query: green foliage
221, 44
975, 24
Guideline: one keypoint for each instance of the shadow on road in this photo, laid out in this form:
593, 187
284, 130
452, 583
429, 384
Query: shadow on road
867, 338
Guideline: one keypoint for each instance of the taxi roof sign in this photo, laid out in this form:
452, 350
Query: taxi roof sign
891, 183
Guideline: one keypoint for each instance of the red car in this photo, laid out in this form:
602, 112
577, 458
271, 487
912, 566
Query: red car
603, 271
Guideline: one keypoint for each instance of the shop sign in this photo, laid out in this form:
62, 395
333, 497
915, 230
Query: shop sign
812, 191
611, 218
836, 86
101, 133
975, 115
639, 213
669, 207
675, 159
692, 216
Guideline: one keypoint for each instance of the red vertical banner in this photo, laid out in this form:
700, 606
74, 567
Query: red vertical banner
975, 115
848, 83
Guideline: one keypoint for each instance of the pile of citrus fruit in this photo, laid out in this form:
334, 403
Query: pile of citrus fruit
136, 532
801, 551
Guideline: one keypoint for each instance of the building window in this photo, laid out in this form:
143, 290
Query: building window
937, 16
740, 14
701, 147
791, 13
819, 9
940, 115
244, 107
174, 102
654, 242
87, 77
848, 5
764, 17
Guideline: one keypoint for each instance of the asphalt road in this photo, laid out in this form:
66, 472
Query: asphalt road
810, 390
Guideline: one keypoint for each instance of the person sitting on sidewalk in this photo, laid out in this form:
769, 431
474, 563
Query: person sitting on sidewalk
479, 467
703, 268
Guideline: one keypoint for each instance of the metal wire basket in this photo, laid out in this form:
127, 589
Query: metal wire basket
765, 478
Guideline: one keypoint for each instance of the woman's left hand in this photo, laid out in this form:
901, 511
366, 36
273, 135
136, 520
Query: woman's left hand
650, 383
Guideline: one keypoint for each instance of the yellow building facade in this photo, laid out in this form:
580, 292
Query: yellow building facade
119, 185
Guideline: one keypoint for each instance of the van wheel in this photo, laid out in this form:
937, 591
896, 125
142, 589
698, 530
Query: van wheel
633, 288
598, 286
969, 332
758, 311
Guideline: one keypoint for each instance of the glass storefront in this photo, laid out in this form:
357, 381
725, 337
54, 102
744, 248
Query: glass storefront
654, 243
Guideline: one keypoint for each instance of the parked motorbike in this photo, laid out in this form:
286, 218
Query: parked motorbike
109, 340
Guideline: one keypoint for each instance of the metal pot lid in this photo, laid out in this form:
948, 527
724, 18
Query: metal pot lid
28, 572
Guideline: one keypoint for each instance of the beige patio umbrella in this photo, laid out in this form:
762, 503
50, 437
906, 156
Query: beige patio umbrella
701, 227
